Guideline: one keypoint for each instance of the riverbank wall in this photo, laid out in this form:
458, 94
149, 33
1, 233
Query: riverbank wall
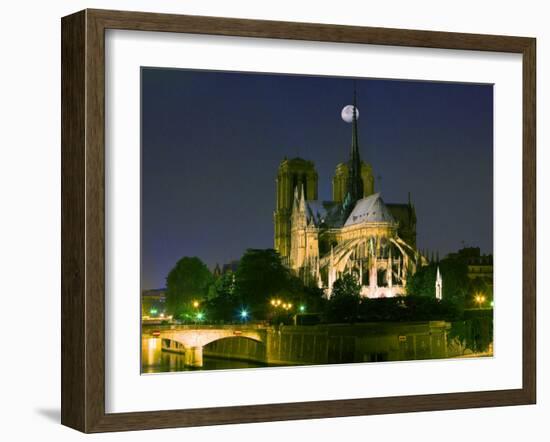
346, 343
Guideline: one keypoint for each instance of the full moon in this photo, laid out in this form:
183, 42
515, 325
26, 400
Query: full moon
347, 113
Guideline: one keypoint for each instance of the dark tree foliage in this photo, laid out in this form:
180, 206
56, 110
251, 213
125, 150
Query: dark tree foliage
223, 285
312, 298
223, 305
479, 286
347, 285
474, 333
408, 308
454, 273
224, 308
343, 305
260, 277
189, 280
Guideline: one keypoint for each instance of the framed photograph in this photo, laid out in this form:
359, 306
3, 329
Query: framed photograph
266, 221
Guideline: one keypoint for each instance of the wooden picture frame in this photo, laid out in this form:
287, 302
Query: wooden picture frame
83, 220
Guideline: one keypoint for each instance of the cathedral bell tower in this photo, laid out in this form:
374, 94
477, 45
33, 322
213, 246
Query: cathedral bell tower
293, 174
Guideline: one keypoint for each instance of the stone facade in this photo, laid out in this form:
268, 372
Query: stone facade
366, 244
292, 174
356, 232
341, 177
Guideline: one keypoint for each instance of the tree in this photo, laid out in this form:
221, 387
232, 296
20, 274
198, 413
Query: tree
223, 304
259, 277
189, 280
312, 298
344, 301
223, 285
454, 272
422, 283
479, 286
224, 308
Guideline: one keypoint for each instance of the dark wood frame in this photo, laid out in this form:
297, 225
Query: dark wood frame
83, 216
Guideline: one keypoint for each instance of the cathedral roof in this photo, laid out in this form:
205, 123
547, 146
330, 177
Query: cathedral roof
369, 209
328, 213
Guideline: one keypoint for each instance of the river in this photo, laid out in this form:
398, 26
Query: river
333, 344
154, 360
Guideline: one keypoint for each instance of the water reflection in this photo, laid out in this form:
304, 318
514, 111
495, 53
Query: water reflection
469, 338
154, 360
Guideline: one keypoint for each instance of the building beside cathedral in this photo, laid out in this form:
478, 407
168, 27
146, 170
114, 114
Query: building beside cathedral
356, 232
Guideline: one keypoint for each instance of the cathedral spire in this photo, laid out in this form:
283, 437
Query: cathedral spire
354, 138
438, 286
302, 199
355, 183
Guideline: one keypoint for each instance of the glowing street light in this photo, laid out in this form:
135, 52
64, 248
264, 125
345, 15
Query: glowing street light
278, 303
480, 299
200, 316
244, 315
302, 308
196, 304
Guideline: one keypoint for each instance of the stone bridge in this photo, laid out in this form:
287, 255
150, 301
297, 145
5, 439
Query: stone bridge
190, 340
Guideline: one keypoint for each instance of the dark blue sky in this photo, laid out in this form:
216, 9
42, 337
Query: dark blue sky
212, 142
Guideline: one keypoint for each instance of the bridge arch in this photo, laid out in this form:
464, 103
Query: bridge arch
191, 341
249, 338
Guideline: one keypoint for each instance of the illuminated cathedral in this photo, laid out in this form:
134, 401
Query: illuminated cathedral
356, 232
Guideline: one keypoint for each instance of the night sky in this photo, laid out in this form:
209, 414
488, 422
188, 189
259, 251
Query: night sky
212, 143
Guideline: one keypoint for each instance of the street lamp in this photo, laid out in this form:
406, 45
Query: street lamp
277, 303
480, 299
302, 308
244, 315
196, 304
